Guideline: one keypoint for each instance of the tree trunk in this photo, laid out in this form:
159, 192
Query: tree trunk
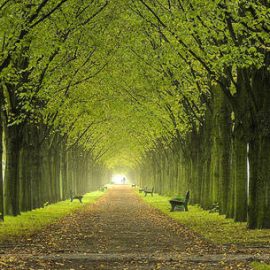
239, 178
25, 178
259, 151
13, 148
1, 160
259, 185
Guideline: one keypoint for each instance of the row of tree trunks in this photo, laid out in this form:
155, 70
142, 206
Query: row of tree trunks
42, 170
259, 146
212, 164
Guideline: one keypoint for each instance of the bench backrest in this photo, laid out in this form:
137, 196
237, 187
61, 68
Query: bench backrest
187, 197
148, 190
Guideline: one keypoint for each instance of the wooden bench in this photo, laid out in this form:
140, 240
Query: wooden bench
146, 191
73, 197
176, 202
103, 188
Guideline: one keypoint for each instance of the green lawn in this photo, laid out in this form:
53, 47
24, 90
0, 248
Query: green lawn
260, 266
28, 222
212, 226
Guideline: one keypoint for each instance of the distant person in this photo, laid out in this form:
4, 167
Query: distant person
124, 180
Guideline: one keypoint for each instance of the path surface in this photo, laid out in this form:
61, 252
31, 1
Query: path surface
120, 231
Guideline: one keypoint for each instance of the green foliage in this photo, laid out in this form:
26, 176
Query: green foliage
223, 231
29, 222
103, 78
126, 82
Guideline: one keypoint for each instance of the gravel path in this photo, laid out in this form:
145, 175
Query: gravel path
120, 231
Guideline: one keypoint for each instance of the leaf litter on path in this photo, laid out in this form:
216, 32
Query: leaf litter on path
119, 231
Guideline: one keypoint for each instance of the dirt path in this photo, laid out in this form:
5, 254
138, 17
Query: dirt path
120, 231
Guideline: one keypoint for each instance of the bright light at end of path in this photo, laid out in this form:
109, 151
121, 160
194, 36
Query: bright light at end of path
119, 179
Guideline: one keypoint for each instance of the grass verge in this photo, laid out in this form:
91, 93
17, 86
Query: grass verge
211, 225
260, 266
28, 222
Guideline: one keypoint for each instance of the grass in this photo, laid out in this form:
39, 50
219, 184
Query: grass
28, 222
211, 225
260, 266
